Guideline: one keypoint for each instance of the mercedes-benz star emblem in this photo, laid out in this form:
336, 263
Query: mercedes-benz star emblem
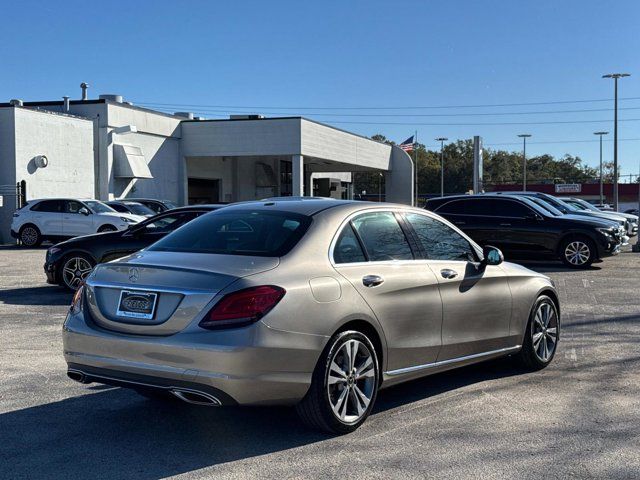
134, 274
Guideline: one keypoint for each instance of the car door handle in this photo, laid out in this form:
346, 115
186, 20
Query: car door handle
448, 273
372, 280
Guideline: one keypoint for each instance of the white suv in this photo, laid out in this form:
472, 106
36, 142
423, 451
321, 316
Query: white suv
52, 219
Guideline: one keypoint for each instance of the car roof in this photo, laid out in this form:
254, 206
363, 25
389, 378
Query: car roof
311, 206
203, 207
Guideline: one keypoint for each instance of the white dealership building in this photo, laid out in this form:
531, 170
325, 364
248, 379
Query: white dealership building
108, 148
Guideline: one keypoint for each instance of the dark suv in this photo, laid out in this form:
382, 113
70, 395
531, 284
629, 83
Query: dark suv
523, 229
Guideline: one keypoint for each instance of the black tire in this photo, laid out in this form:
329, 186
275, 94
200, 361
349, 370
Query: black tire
30, 235
529, 356
72, 282
315, 409
577, 252
107, 228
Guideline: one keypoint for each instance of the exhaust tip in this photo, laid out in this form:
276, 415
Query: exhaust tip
78, 376
196, 398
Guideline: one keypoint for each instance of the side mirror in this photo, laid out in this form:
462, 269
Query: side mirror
492, 255
84, 211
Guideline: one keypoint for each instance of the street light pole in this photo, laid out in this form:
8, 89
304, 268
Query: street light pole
524, 137
441, 140
615, 77
601, 178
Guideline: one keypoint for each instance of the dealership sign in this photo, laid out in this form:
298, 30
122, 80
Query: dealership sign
568, 187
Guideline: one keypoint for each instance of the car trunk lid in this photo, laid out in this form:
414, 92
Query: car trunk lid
161, 293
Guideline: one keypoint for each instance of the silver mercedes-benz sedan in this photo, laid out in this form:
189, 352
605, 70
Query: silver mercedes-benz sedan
313, 303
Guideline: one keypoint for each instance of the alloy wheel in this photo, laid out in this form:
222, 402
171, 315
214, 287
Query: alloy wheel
577, 253
29, 236
544, 331
351, 381
74, 271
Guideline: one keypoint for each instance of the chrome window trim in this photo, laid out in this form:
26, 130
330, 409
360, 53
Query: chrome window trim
142, 288
416, 368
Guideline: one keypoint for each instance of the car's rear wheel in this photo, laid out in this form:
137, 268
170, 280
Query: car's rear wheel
107, 228
578, 252
344, 385
30, 236
75, 269
542, 335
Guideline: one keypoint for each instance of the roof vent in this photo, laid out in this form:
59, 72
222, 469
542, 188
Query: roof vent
16, 102
246, 117
111, 98
84, 86
188, 115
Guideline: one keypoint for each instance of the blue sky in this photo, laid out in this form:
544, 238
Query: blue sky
294, 57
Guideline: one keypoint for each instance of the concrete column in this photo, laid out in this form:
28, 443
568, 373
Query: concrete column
297, 175
308, 185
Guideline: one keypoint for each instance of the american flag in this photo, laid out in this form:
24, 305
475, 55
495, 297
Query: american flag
407, 145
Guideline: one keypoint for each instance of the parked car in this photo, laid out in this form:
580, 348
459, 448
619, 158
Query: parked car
523, 229
58, 218
566, 208
581, 204
68, 263
127, 206
313, 303
157, 206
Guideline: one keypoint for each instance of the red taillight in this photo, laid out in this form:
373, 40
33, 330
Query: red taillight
243, 307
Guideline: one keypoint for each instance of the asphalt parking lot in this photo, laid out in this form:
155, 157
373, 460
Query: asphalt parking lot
578, 418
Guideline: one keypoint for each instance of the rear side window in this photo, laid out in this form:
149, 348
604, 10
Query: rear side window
382, 237
348, 249
440, 241
240, 232
497, 207
455, 207
52, 206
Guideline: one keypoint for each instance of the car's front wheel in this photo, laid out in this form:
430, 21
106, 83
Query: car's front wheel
344, 385
578, 252
541, 337
107, 228
75, 269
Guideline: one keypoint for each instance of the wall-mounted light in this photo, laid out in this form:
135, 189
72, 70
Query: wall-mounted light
41, 161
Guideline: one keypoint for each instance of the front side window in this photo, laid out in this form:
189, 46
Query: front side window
440, 241
239, 232
73, 206
382, 237
348, 249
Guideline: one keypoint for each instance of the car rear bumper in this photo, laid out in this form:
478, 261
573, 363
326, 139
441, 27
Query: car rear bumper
254, 365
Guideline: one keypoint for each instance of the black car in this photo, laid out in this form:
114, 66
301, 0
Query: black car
157, 206
128, 206
69, 262
523, 229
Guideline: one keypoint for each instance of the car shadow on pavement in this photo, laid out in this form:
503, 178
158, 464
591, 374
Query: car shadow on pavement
115, 433
44, 295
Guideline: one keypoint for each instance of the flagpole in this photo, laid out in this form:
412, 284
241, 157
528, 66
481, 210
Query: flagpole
415, 163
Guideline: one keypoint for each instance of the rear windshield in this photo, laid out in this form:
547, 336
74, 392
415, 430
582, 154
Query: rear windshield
241, 232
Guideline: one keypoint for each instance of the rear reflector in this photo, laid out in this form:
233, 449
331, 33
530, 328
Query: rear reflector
243, 307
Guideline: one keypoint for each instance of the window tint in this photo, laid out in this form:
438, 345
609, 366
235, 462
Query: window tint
118, 208
348, 249
168, 223
455, 207
497, 207
49, 206
240, 232
382, 237
439, 241
73, 206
